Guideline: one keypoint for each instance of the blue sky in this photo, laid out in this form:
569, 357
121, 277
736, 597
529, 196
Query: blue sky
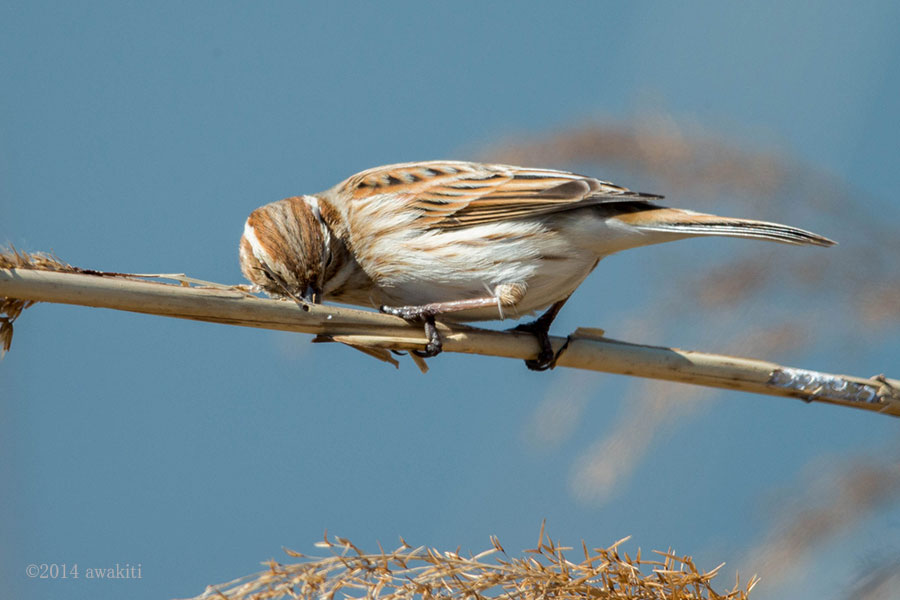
137, 137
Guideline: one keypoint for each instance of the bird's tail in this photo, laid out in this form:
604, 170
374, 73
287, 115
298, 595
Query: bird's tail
688, 224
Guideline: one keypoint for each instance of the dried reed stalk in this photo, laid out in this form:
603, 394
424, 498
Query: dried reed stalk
407, 573
27, 278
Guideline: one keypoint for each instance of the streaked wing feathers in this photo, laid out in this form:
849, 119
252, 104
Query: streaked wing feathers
460, 194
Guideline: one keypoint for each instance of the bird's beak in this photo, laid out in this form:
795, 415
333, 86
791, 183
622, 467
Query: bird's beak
312, 294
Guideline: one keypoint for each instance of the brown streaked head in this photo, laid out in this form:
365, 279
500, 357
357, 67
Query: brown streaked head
285, 248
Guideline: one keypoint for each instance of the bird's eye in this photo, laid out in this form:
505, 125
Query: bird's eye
266, 274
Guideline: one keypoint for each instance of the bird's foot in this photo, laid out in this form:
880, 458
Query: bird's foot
424, 314
540, 328
546, 358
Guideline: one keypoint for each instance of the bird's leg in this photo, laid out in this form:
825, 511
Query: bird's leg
504, 294
426, 313
540, 328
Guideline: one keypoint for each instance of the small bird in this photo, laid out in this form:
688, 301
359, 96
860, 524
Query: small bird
465, 241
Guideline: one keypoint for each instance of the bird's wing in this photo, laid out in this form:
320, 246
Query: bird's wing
448, 194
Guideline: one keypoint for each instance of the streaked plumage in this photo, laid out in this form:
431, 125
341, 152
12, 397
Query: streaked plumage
506, 240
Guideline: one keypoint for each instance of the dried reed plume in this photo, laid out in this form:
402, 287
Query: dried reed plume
407, 573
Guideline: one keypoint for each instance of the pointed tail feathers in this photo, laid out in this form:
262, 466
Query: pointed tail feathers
688, 223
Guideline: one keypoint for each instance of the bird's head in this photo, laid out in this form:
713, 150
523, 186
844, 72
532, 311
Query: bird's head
285, 249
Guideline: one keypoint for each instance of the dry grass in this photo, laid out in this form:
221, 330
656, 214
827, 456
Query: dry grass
544, 572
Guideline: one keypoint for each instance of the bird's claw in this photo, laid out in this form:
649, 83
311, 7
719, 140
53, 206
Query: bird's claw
546, 358
429, 351
543, 362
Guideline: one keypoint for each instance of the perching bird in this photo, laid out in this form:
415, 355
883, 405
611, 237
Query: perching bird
465, 241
